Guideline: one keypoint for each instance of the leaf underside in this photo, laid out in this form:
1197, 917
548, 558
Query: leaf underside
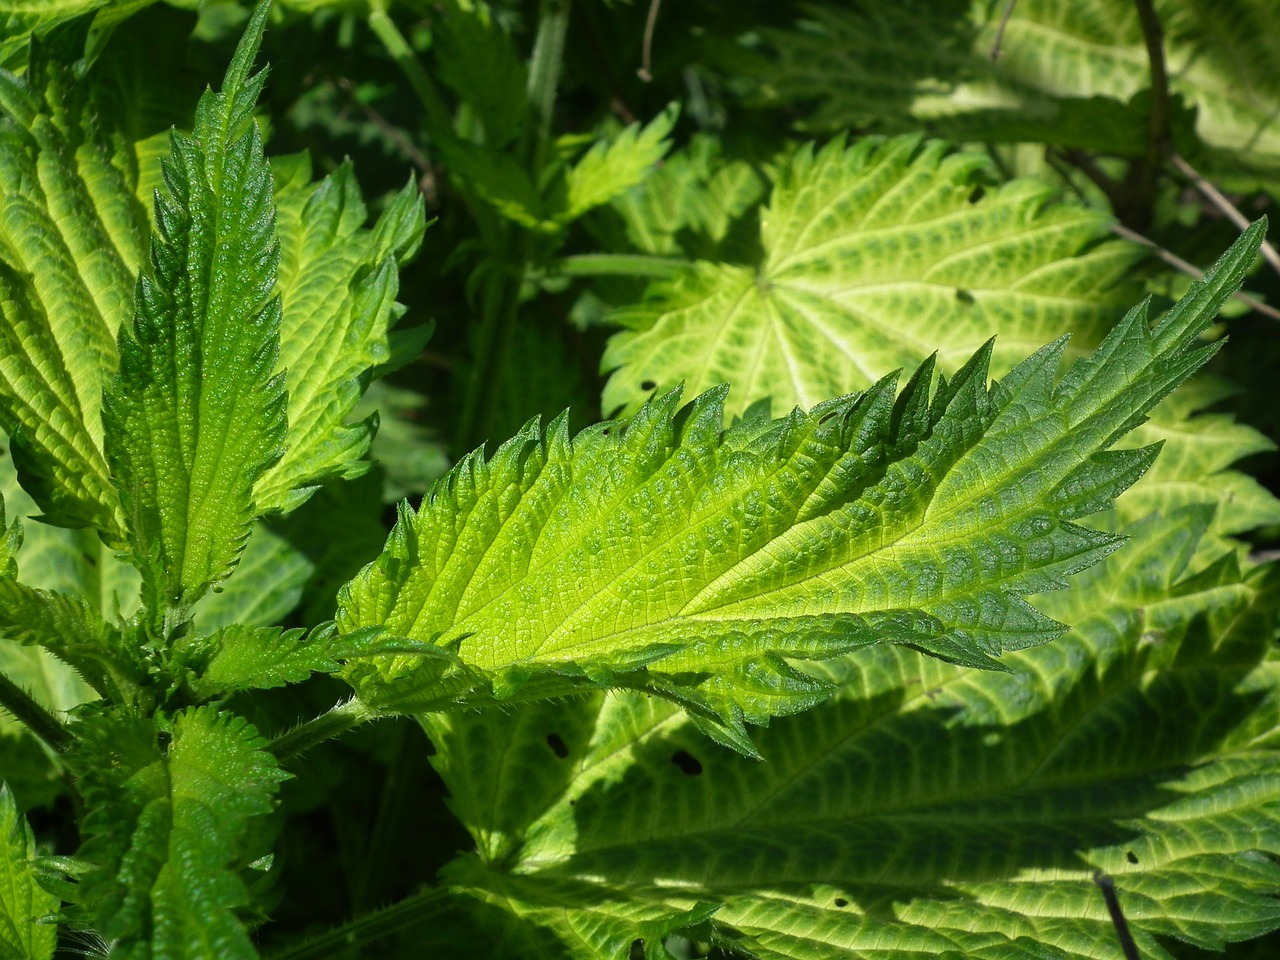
926, 810
676, 558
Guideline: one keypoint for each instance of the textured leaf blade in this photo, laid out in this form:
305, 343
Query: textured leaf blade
338, 283
23, 903
680, 559
71, 237
611, 168
196, 415
166, 826
926, 810
872, 252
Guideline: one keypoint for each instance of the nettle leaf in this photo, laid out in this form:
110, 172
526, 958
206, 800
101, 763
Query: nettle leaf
338, 282
925, 810
872, 251
196, 414
691, 203
674, 557
1066, 73
166, 825
611, 167
477, 60
71, 237
258, 658
23, 903
1198, 448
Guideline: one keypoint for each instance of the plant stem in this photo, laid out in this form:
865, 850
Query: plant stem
1190, 269
1225, 206
370, 927
35, 717
515, 248
544, 79
1141, 182
334, 723
395, 43
617, 265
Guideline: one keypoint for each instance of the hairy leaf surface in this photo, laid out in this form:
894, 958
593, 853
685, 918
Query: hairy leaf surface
71, 238
22, 901
874, 254
673, 557
339, 282
166, 825
195, 415
926, 810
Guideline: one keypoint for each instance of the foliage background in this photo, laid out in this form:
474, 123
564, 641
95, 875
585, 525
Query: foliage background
516, 258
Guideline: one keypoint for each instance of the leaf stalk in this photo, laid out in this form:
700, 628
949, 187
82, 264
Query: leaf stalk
32, 715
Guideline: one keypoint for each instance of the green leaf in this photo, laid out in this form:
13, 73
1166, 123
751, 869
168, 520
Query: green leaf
691, 203
1066, 72
71, 238
612, 167
673, 557
926, 810
195, 415
258, 658
338, 283
476, 59
166, 826
22, 901
872, 252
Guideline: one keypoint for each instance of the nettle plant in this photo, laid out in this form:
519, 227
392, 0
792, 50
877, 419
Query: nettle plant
894, 674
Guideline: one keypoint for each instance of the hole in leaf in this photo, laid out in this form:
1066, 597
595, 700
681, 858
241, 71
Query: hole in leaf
977, 193
965, 297
647, 385
841, 902
637, 950
557, 745
1131, 857
826, 416
687, 763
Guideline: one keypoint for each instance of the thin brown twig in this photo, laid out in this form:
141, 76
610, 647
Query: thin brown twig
1004, 22
1189, 269
646, 52
1224, 205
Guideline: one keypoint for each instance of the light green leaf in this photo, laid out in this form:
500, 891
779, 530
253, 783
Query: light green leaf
258, 658
338, 283
873, 255
71, 237
166, 826
612, 167
22, 901
1065, 73
673, 557
690, 203
924, 811
195, 415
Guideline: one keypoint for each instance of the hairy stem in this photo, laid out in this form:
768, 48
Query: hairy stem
345, 716
33, 716
371, 927
618, 265
515, 249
